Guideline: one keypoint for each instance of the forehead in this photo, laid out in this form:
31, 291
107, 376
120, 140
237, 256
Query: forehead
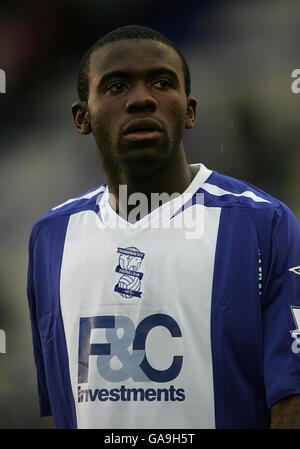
134, 56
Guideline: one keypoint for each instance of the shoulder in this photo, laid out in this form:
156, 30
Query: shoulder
60, 214
236, 197
226, 191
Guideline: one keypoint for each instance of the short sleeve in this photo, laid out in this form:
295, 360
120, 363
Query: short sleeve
281, 295
45, 407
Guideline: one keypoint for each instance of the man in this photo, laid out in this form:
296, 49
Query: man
137, 323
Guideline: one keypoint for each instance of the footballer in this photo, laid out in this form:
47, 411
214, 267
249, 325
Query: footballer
135, 323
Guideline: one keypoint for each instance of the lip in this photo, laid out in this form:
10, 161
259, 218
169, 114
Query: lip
142, 128
142, 135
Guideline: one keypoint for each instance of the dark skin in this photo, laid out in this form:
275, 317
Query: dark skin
154, 165
139, 92
286, 413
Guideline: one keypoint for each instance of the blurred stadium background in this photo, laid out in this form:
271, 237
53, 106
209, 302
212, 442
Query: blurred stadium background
241, 55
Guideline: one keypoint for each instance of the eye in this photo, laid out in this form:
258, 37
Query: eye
163, 83
117, 87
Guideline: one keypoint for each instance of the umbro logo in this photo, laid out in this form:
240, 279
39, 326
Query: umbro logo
295, 270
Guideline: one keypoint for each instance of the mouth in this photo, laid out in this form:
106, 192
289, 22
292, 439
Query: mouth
142, 129
137, 136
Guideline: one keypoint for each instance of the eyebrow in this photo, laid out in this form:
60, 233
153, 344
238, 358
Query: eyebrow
151, 73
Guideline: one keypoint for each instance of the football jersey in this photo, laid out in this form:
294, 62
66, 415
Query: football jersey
186, 318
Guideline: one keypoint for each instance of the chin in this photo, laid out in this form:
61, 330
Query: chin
143, 152
142, 162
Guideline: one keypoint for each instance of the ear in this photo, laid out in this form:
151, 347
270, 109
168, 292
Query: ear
81, 117
190, 113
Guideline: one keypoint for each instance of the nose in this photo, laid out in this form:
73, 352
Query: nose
140, 99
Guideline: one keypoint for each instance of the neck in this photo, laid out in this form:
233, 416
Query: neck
172, 177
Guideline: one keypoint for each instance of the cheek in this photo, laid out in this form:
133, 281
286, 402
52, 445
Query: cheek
178, 116
107, 116
100, 121
175, 109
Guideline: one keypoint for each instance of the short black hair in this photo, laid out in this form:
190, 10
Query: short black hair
122, 33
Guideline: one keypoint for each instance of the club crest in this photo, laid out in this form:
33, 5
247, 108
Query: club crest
130, 260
